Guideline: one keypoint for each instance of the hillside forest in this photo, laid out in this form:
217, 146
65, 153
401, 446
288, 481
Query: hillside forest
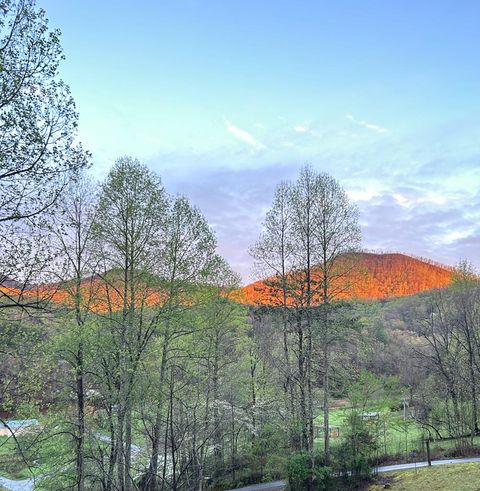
132, 358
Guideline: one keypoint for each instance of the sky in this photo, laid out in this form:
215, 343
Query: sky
224, 99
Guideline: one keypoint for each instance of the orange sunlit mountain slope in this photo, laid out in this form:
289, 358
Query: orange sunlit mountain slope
99, 294
371, 277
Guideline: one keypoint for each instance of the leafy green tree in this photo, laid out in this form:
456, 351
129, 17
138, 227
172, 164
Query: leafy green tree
72, 228
186, 259
38, 153
130, 227
304, 248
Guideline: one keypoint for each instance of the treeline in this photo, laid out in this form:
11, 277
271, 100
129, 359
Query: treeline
447, 402
139, 392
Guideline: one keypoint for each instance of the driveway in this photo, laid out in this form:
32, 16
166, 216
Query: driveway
16, 485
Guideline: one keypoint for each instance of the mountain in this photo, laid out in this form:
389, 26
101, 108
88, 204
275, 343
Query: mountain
370, 277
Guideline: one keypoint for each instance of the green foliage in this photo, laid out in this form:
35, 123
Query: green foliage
299, 470
353, 456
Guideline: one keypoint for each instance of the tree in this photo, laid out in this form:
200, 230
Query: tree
38, 154
326, 225
73, 230
130, 224
187, 257
273, 256
304, 248
451, 343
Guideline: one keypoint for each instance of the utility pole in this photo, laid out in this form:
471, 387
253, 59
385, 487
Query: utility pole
429, 459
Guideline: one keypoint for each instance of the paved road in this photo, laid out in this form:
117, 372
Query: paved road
267, 486
401, 467
16, 485
280, 485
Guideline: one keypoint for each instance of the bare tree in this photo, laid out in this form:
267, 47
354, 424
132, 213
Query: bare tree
273, 256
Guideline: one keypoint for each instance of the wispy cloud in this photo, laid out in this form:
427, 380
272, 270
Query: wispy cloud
416, 193
366, 124
243, 135
395, 216
301, 129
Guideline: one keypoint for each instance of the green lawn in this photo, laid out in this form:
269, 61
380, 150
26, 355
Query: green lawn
395, 437
457, 477
11, 463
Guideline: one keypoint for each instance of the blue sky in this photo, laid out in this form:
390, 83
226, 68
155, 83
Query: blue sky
225, 98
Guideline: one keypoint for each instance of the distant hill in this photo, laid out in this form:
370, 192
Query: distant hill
371, 277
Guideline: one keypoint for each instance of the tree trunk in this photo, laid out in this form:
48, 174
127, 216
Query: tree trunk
81, 419
326, 406
128, 449
151, 478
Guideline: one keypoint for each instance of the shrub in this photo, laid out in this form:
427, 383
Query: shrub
299, 472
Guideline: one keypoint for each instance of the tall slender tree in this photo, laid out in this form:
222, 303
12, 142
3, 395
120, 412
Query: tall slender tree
304, 250
186, 258
130, 221
72, 229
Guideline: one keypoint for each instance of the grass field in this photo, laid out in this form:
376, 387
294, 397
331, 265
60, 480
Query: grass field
457, 477
11, 464
395, 437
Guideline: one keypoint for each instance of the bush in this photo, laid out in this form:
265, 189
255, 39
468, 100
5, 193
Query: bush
352, 456
275, 467
299, 472
323, 477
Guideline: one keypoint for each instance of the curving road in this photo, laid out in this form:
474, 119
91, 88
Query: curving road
280, 485
267, 486
401, 467
16, 485
28, 484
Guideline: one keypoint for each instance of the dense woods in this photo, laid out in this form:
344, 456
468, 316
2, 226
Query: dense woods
138, 362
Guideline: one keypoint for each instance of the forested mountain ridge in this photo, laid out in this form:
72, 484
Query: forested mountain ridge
371, 276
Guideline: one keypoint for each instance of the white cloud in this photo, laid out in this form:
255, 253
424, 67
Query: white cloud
366, 124
301, 129
456, 235
242, 135
428, 198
